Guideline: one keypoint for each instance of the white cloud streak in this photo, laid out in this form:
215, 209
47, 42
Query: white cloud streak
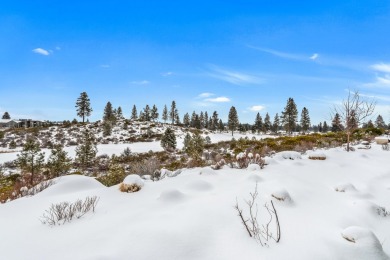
205, 95
234, 77
257, 108
142, 82
382, 67
41, 51
218, 99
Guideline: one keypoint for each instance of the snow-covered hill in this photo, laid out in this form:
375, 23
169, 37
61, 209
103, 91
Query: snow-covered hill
338, 208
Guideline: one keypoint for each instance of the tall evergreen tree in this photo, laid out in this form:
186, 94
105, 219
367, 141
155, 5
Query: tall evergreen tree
267, 123
276, 123
379, 122
206, 120
221, 127
233, 121
134, 113
59, 163
193, 119
289, 116
86, 150
214, 121
201, 119
108, 114
195, 146
186, 120
173, 112
305, 119
325, 127
83, 106
154, 113
168, 140
258, 123
31, 159
147, 116
6, 115
320, 127
119, 113
165, 114
336, 123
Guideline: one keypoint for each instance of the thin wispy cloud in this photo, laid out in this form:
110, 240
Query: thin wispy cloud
382, 67
166, 74
142, 82
105, 66
205, 95
41, 51
234, 77
314, 56
257, 108
218, 99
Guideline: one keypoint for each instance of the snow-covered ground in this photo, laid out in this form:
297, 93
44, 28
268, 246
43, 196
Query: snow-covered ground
137, 147
337, 210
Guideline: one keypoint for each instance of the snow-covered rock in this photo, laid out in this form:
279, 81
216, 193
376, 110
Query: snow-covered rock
134, 179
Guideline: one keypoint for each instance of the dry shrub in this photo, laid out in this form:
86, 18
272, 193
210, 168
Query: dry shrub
129, 188
218, 165
317, 157
63, 212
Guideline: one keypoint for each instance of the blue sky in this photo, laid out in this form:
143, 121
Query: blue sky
206, 55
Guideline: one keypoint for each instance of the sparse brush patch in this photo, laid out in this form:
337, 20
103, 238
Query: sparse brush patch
317, 157
129, 188
63, 212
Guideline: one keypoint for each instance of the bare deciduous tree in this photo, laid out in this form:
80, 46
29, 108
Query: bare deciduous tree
353, 111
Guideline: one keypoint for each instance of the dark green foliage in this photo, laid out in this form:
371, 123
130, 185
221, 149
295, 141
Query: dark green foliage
115, 175
31, 159
194, 146
276, 123
258, 123
83, 106
165, 114
379, 122
6, 115
267, 123
305, 119
336, 123
59, 162
168, 140
134, 113
154, 113
233, 119
290, 116
86, 151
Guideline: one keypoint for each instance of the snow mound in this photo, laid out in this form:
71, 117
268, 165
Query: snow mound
172, 195
200, 185
270, 161
72, 184
254, 178
134, 179
168, 173
372, 208
207, 171
282, 195
253, 167
345, 187
316, 155
288, 155
366, 244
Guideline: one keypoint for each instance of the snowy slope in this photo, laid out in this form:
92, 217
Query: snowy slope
191, 216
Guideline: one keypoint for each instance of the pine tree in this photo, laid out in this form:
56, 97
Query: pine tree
206, 120
147, 116
186, 120
186, 141
352, 121
195, 146
165, 114
173, 112
119, 113
214, 121
83, 106
107, 128
31, 159
267, 123
134, 113
59, 163
154, 113
379, 122
258, 123
168, 140
320, 127
233, 119
221, 127
276, 124
6, 115
336, 124
370, 124
305, 119
289, 116
193, 119
325, 127
86, 150
108, 114
177, 119
201, 119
